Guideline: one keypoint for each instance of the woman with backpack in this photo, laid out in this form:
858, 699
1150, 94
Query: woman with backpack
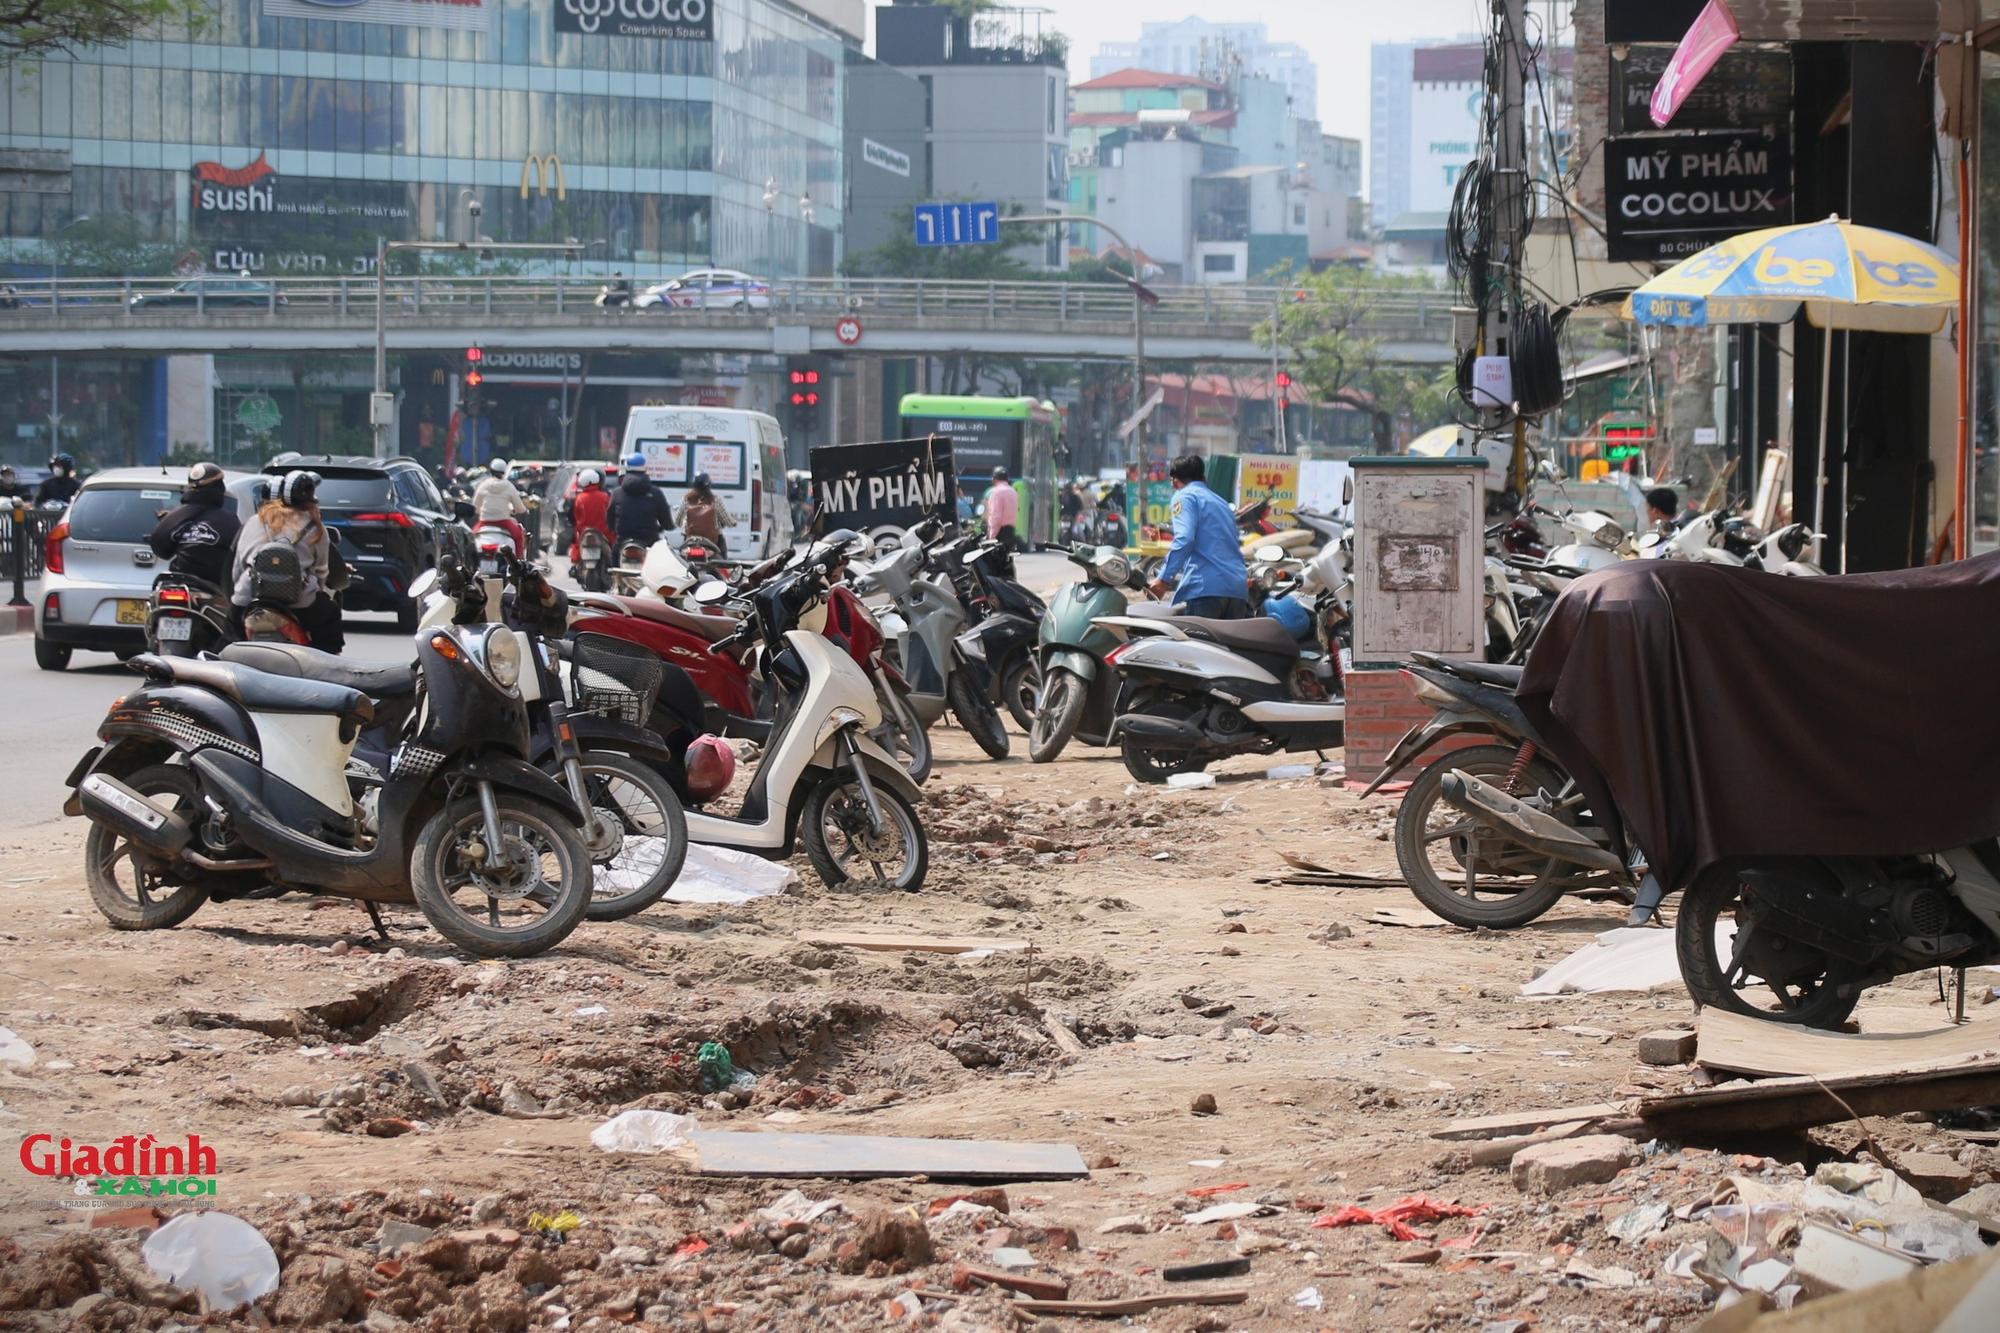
290, 517
703, 514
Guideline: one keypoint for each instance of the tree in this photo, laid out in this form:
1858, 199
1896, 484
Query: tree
51, 27
1334, 358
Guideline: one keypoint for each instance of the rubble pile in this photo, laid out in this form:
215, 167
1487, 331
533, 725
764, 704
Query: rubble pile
975, 824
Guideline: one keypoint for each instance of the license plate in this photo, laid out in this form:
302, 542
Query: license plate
177, 628
131, 612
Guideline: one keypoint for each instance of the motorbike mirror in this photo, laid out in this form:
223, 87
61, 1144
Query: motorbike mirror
1270, 555
1347, 489
712, 593
1549, 470
424, 585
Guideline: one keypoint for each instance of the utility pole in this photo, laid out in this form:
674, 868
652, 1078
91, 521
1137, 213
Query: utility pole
1510, 183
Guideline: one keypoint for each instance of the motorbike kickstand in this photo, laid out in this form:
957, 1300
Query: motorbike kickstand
375, 915
1959, 1015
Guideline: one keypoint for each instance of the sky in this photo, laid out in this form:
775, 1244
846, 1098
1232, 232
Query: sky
1338, 33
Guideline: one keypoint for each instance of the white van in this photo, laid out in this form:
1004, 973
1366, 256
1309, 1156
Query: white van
743, 454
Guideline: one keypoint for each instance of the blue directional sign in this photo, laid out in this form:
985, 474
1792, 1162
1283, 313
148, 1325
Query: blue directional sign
957, 224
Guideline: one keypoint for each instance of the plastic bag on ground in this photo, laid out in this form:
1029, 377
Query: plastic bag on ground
1627, 959
644, 1132
725, 875
219, 1255
14, 1052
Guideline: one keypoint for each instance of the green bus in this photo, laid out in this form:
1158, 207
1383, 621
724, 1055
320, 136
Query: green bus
1019, 434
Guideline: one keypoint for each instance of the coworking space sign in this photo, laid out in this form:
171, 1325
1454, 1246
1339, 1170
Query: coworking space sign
680, 20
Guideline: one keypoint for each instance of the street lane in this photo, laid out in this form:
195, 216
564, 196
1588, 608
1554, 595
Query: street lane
51, 716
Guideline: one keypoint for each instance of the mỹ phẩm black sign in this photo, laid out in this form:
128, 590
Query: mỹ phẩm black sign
1749, 89
890, 484
1669, 196
681, 20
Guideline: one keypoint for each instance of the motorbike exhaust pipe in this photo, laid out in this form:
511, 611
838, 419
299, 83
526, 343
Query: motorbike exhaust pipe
109, 802
1523, 823
1156, 733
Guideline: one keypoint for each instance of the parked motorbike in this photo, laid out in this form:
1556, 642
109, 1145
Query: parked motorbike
187, 617
822, 779
1004, 617
682, 639
1490, 835
1079, 692
219, 781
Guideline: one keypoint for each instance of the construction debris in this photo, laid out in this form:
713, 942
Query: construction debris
1748, 1045
862, 1156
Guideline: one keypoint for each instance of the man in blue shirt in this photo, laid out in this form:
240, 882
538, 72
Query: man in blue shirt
1206, 558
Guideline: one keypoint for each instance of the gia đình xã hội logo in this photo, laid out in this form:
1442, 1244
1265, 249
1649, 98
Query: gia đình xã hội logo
129, 1165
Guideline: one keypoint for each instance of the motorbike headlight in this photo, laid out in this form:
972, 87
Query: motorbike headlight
1114, 570
1608, 536
501, 655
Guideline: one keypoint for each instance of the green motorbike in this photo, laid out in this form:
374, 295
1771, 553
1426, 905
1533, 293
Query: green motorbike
1079, 695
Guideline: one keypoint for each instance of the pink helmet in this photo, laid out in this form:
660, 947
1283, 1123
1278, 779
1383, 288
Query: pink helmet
711, 766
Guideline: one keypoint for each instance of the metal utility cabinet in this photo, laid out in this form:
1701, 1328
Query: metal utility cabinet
1419, 556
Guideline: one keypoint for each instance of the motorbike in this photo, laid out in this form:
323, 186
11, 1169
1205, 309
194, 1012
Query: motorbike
682, 639
187, 616
1003, 615
1462, 860
822, 779
491, 543
1079, 693
219, 781
628, 576
591, 566
277, 580
940, 661
1195, 690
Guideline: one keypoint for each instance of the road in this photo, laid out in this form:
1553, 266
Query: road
53, 715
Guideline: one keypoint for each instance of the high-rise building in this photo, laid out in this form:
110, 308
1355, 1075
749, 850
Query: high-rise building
1196, 46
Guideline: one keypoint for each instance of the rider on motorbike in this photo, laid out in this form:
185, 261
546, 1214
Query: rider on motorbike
495, 501
291, 515
588, 509
200, 536
61, 484
638, 512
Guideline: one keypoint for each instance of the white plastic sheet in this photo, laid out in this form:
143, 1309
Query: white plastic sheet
1627, 959
724, 875
644, 1132
217, 1254
14, 1052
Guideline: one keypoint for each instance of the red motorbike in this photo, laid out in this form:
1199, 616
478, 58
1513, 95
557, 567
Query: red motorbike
683, 639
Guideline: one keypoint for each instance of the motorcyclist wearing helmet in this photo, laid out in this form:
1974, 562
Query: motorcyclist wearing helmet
703, 514
11, 487
590, 510
61, 485
495, 501
200, 536
291, 514
639, 513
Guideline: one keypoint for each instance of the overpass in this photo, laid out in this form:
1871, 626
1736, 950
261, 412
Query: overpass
890, 317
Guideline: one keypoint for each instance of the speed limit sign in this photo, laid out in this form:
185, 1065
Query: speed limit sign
848, 330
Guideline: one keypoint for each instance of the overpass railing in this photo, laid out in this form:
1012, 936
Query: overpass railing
316, 298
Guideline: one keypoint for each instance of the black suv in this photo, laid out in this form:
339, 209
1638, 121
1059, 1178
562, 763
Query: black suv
390, 521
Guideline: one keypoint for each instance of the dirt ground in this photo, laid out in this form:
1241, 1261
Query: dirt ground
345, 1086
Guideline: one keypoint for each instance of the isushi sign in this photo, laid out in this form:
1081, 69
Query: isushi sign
220, 189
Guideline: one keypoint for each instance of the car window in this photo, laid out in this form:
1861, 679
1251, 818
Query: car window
354, 492
427, 489
409, 490
119, 513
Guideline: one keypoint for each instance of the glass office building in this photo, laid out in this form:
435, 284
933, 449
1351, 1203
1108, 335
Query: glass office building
288, 133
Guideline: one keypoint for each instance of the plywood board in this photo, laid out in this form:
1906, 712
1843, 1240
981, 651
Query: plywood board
1508, 1123
864, 1156
1131, 1304
1752, 1046
1796, 1103
906, 943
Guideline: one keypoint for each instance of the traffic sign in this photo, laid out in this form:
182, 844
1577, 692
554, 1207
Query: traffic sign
848, 329
957, 224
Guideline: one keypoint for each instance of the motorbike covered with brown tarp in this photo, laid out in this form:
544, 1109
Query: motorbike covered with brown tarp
1710, 712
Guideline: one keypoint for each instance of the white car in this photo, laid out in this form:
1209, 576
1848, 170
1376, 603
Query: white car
708, 289
99, 570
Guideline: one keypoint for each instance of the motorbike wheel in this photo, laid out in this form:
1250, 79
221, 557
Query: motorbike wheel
1021, 688
1508, 885
136, 891
1057, 713
902, 732
530, 907
1156, 766
1800, 984
649, 835
844, 847
976, 713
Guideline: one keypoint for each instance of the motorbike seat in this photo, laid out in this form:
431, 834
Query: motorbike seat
712, 628
260, 691
377, 680
1497, 674
1258, 634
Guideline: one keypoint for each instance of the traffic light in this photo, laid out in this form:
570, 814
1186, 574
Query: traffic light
804, 389
469, 402
1284, 380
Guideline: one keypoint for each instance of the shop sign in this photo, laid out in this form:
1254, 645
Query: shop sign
471, 15
1273, 479
1747, 89
1668, 196
247, 189
680, 20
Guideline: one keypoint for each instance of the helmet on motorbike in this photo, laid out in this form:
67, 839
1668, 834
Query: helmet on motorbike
297, 489
589, 477
1287, 612
63, 461
498, 467
204, 474
635, 463
711, 765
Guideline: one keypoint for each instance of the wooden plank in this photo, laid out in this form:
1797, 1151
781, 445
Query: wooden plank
1035, 1288
1525, 1122
1503, 1150
1753, 1046
1798, 1103
864, 1156
907, 943
1131, 1304
1066, 1041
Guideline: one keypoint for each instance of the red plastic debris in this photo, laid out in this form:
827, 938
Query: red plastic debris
1207, 1190
1396, 1218
691, 1245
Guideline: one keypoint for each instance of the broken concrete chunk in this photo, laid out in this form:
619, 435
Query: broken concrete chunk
1667, 1046
1132, 1224
1550, 1168
396, 1236
1935, 1175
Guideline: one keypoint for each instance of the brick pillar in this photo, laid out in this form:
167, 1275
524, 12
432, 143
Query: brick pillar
1380, 710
